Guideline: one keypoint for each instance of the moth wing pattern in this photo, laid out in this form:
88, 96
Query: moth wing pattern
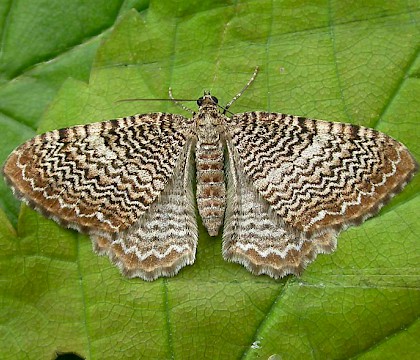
295, 183
103, 178
164, 239
255, 237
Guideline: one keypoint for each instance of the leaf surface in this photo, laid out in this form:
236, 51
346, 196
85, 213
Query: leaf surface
327, 60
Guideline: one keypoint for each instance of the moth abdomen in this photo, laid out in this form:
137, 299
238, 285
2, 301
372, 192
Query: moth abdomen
211, 188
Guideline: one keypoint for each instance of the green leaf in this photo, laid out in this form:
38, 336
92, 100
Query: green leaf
344, 62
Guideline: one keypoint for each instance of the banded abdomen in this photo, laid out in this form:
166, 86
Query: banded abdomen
211, 188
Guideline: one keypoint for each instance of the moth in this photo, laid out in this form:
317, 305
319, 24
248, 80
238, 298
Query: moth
281, 186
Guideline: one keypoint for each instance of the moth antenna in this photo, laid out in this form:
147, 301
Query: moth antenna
177, 102
238, 95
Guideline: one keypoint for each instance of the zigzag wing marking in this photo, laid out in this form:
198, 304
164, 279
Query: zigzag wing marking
319, 176
115, 180
256, 237
98, 178
164, 239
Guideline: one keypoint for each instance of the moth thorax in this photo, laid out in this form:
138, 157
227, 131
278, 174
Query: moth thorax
211, 188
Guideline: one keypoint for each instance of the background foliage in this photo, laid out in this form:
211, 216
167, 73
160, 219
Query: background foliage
65, 63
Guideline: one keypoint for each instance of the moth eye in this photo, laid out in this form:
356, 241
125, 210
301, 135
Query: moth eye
215, 100
200, 101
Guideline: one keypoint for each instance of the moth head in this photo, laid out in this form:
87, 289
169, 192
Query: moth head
207, 99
